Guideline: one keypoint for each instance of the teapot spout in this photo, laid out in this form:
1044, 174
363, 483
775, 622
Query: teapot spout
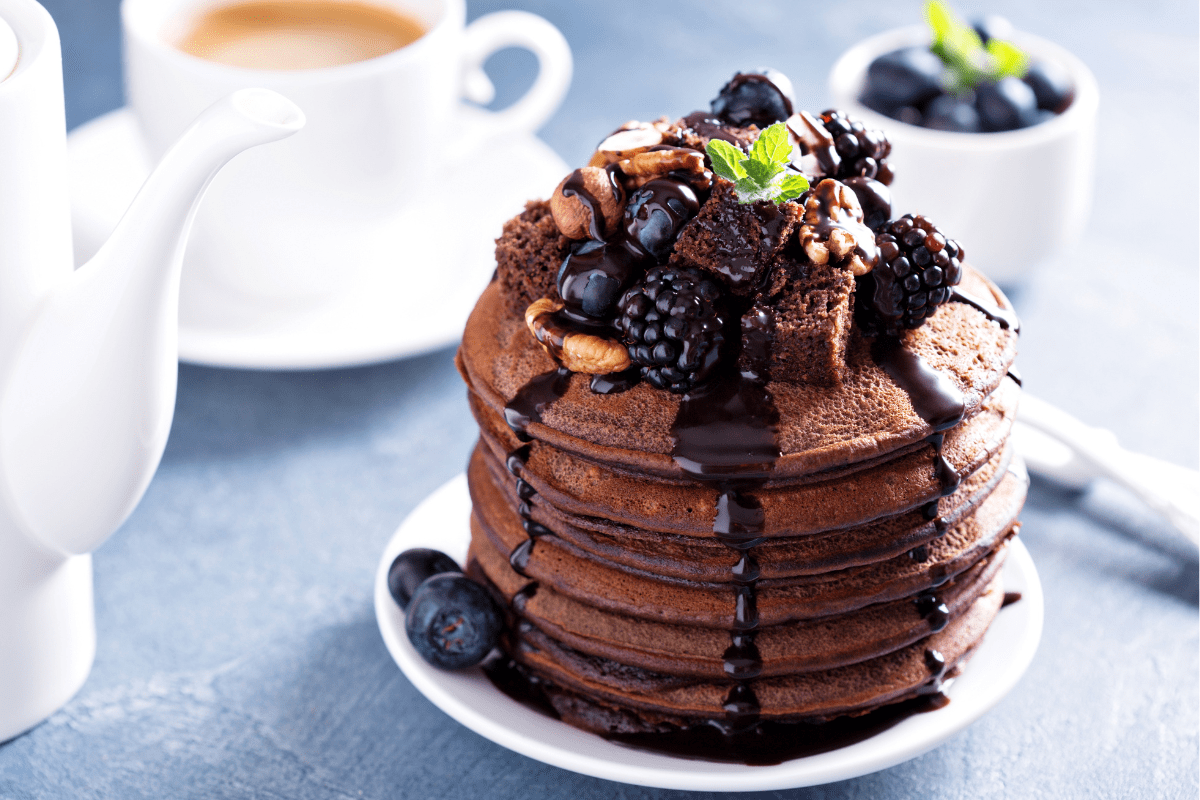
87, 405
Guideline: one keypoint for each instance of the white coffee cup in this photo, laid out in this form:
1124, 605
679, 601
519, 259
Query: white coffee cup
1015, 200
283, 231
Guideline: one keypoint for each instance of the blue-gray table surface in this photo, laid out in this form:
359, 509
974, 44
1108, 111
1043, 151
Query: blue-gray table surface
238, 652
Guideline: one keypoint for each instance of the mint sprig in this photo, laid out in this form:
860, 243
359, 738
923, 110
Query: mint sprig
959, 47
760, 174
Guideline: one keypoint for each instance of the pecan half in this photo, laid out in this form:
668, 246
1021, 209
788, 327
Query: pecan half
580, 197
578, 352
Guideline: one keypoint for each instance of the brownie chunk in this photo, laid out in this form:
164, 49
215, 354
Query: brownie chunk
697, 129
528, 255
735, 243
813, 308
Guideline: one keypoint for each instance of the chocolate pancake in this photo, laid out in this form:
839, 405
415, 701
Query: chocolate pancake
804, 519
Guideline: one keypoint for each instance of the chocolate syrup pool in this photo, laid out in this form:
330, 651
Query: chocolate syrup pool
764, 744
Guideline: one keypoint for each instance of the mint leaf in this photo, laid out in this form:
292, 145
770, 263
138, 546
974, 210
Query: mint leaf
749, 191
1007, 59
772, 146
726, 160
759, 175
961, 50
957, 45
761, 172
941, 20
791, 187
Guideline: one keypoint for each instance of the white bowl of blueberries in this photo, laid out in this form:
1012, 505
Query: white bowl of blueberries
992, 130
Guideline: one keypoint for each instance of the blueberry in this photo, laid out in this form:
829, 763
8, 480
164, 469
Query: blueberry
948, 112
413, 566
452, 621
1051, 84
595, 274
910, 115
1043, 116
908, 77
657, 212
755, 98
1005, 105
875, 199
993, 26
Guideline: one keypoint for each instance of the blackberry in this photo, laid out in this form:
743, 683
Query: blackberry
673, 323
917, 266
863, 150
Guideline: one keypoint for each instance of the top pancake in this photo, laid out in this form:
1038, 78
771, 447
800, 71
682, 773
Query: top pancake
865, 419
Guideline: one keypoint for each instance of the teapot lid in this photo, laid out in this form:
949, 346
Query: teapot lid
9, 50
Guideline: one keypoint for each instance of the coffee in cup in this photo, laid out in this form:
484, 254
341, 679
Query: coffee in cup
298, 34
284, 232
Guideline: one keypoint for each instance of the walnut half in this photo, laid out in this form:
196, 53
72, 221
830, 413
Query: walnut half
833, 230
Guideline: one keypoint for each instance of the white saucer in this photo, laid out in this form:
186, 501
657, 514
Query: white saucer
377, 320
441, 521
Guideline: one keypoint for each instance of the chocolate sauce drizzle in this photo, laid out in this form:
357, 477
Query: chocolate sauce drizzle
706, 124
815, 140
1010, 598
770, 742
1007, 319
724, 435
533, 398
616, 382
935, 662
519, 557
939, 402
525, 408
933, 610
822, 212
575, 187
726, 226
551, 329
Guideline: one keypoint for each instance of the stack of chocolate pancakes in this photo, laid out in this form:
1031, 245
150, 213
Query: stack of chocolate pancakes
754, 550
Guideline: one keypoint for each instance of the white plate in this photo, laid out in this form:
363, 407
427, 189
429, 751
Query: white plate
441, 521
380, 319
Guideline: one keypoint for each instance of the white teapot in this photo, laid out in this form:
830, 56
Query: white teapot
88, 357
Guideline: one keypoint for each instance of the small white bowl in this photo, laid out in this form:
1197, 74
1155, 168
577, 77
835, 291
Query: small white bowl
1017, 200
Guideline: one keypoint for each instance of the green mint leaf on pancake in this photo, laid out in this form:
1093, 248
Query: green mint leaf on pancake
759, 175
772, 146
726, 160
761, 172
791, 187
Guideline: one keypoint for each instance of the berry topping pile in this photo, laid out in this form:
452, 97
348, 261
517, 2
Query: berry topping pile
676, 231
671, 321
970, 80
917, 267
